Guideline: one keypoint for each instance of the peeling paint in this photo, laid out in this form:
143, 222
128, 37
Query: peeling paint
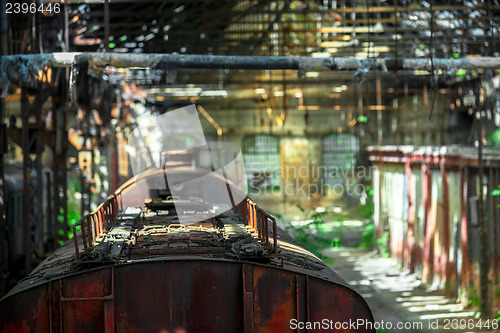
309, 64
22, 69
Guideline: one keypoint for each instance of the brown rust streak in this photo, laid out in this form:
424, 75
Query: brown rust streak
274, 299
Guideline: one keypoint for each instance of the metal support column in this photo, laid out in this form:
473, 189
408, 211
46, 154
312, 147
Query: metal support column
484, 258
106, 25
32, 176
59, 163
3, 133
3, 150
446, 269
410, 255
428, 250
380, 130
86, 158
4, 246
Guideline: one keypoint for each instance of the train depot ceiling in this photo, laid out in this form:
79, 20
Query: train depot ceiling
306, 84
366, 32
359, 29
307, 28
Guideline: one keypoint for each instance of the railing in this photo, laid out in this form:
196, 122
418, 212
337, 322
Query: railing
258, 219
94, 224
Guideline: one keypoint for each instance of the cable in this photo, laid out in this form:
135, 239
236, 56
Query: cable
431, 50
369, 29
396, 57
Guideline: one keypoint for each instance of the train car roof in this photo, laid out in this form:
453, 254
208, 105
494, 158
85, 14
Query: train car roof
238, 246
140, 234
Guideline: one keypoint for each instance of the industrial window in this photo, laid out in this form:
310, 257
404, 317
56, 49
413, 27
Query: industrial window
262, 161
340, 153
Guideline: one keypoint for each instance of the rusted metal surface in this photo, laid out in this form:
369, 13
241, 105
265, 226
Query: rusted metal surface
453, 156
445, 268
184, 295
410, 246
67, 59
141, 271
32, 176
4, 247
29, 64
484, 262
428, 225
82, 299
258, 220
94, 224
464, 179
20, 318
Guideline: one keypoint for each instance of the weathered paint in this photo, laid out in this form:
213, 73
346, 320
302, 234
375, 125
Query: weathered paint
464, 231
428, 264
194, 288
27, 312
444, 214
410, 247
182, 295
445, 271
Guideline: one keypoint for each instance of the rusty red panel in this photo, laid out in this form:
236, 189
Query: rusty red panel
301, 285
83, 316
82, 300
274, 299
248, 303
339, 304
26, 312
55, 308
91, 284
182, 296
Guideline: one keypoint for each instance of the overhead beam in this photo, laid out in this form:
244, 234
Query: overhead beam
25, 69
167, 61
340, 31
345, 10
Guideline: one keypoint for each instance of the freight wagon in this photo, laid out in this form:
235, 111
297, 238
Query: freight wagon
132, 267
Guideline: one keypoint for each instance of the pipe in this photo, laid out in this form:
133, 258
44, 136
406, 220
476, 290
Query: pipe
106, 25
164, 60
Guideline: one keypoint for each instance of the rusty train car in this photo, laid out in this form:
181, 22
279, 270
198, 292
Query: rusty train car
132, 267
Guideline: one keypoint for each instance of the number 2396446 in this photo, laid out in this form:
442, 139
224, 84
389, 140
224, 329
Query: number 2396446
32, 8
